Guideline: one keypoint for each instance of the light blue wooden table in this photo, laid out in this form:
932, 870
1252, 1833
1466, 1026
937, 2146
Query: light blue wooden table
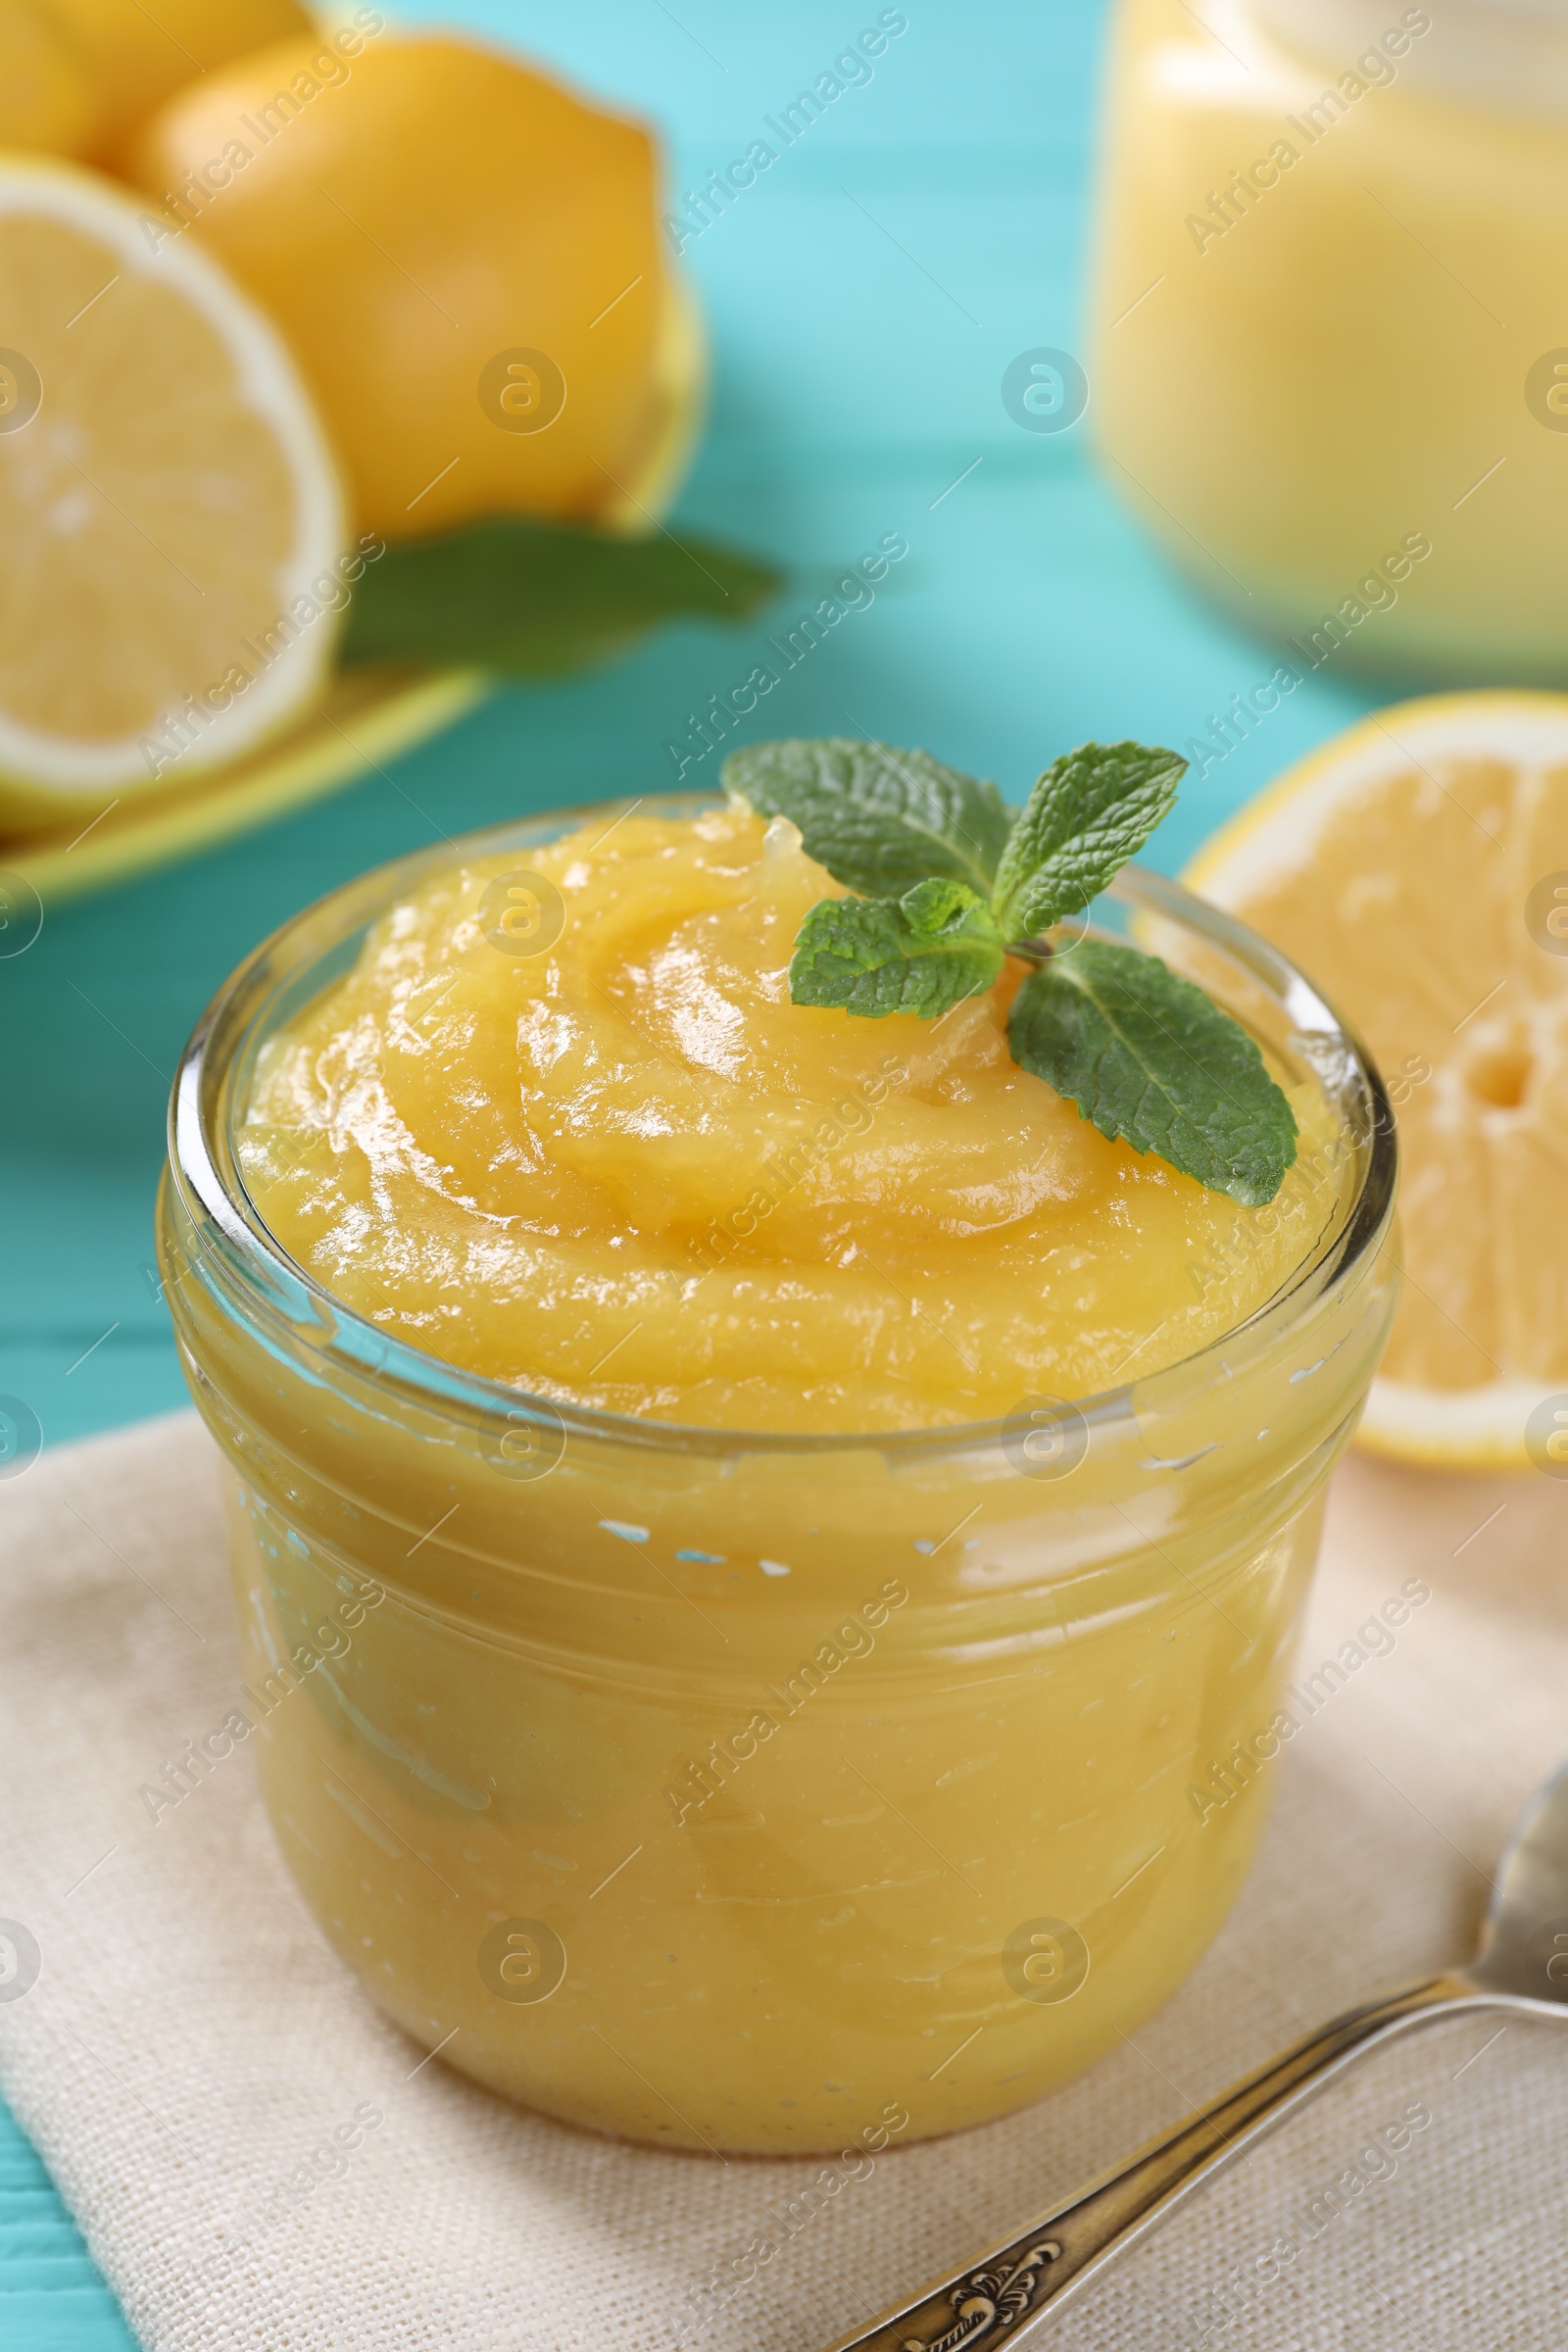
865, 298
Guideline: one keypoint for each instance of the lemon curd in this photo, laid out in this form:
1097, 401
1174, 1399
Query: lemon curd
1329, 359
824, 1527
581, 1140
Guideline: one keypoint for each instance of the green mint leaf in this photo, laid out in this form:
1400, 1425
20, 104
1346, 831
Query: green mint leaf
923, 954
539, 600
1147, 1056
878, 819
1091, 810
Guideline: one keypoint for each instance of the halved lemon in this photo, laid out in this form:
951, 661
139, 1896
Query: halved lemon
1416, 869
169, 509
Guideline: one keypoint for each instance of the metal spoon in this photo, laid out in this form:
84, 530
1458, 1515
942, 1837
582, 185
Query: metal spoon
1522, 1965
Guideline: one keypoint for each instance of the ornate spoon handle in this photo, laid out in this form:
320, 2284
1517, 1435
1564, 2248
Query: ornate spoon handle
995, 2301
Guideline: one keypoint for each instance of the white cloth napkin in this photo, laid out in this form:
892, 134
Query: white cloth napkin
199, 2072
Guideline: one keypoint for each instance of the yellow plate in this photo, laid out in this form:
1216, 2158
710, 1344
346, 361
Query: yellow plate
366, 717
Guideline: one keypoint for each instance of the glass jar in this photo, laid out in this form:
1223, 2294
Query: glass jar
765, 1792
1329, 346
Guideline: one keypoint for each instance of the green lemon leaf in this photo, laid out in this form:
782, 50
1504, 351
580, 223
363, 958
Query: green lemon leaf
878, 819
923, 954
1091, 810
1147, 1056
539, 600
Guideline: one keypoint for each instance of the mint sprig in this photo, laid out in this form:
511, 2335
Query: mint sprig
947, 884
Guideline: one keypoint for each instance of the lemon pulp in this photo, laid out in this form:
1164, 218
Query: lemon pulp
1417, 868
170, 509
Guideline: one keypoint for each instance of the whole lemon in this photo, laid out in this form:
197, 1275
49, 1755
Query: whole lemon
76, 75
465, 256
46, 98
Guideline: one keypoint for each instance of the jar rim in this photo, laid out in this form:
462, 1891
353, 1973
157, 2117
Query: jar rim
276, 1290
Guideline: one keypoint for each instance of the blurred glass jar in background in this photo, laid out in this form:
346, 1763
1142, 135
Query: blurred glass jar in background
1330, 324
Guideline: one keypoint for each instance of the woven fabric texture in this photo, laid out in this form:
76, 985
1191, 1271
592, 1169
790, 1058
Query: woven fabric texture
190, 2041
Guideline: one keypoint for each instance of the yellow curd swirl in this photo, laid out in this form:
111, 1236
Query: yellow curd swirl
566, 1129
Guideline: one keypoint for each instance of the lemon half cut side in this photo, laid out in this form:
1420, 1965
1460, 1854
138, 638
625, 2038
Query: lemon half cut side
1416, 869
170, 512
